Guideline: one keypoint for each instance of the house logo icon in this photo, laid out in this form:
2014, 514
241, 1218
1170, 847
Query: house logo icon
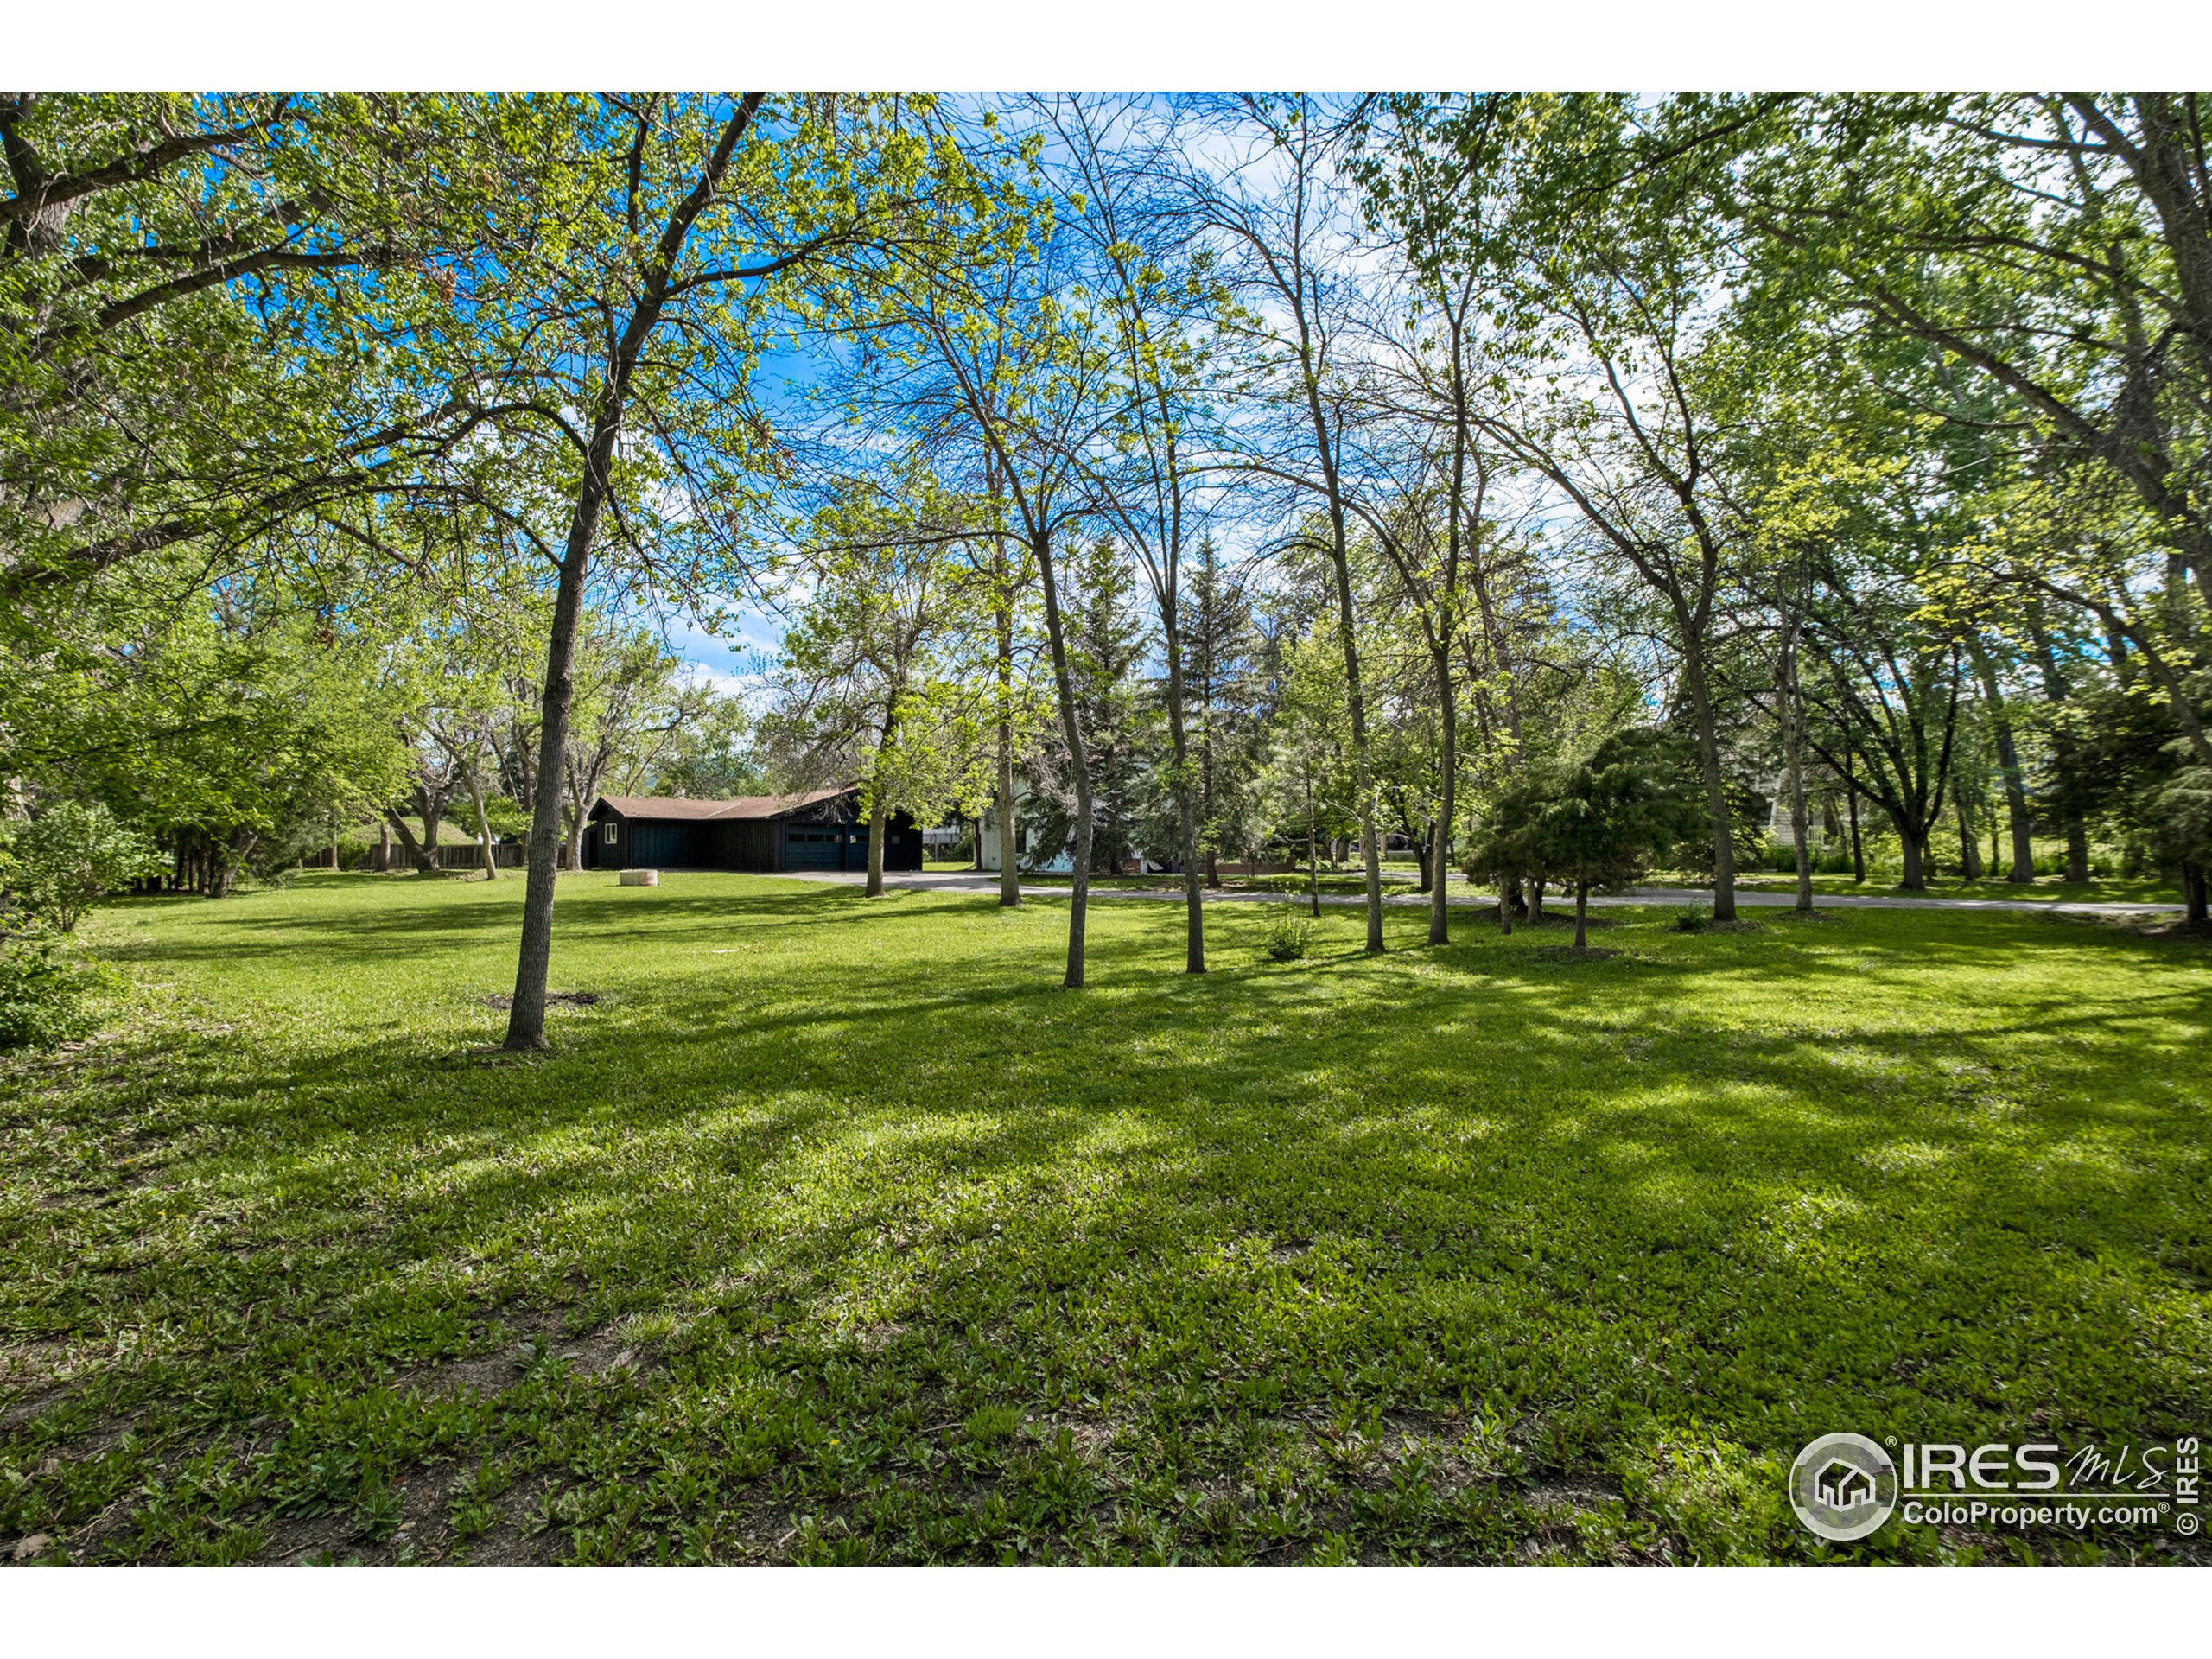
1843, 1486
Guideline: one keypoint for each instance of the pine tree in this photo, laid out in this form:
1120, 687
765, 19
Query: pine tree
1108, 645
1222, 648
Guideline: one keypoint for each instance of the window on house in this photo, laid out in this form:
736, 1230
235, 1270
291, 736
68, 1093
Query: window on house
610, 833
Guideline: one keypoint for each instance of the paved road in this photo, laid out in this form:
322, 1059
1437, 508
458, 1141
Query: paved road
1459, 894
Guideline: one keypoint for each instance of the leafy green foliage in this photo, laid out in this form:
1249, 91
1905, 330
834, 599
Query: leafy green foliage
1601, 824
45, 988
56, 866
1289, 937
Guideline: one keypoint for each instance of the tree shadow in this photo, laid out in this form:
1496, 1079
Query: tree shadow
1740, 1189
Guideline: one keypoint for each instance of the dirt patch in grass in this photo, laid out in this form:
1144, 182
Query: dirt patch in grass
1552, 919
2199, 931
573, 999
1571, 953
39, 1371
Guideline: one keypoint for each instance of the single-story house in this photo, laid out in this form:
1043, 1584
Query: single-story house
1034, 859
821, 830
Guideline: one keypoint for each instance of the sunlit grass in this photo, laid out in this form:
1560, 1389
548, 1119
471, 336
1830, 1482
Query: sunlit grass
833, 1230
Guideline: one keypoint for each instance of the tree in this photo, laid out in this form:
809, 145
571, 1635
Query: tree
1433, 531
861, 687
1606, 300
232, 727
1108, 644
1222, 675
200, 295
633, 702
1283, 210
679, 212
1158, 294
1310, 782
1601, 824
979, 351
2057, 249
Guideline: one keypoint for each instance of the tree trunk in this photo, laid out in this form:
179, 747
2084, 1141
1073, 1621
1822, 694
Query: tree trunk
1914, 881
384, 848
878, 813
1581, 910
1078, 761
1363, 768
1505, 900
2061, 750
1716, 788
1312, 856
879, 821
1792, 709
432, 812
1794, 765
483, 827
1186, 805
1858, 852
575, 827
2008, 760
1535, 891
1010, 869
417, 856
2192, 892
1969, 850
526, 1014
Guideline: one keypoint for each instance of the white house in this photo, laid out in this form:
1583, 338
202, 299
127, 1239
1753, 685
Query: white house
1060, 863
1778, 817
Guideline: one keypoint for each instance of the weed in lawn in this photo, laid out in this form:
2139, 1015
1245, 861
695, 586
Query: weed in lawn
1288, 938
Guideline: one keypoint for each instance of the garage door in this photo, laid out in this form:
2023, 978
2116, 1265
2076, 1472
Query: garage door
812, 849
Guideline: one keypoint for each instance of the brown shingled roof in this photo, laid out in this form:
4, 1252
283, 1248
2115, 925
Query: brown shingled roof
745, 806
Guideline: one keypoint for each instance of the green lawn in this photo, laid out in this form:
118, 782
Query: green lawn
2050, 888
834, 1231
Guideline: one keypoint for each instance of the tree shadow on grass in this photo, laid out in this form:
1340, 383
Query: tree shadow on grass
1729, 1194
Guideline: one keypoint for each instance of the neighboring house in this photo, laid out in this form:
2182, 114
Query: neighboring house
988, 844
1779, 817
1033, 861
821, 830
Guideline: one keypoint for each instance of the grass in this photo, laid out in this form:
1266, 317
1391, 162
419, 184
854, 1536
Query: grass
833, 1232
2050, 888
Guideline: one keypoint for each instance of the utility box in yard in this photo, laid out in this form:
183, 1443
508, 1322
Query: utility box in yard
641, 878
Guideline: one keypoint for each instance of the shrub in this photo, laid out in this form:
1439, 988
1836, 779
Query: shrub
58, 864
1289, 937
44, 989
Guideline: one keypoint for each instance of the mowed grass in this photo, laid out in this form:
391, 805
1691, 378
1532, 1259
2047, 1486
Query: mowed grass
835, 1231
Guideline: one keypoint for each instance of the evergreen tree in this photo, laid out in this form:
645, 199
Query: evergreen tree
1223, 679
1108, 645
